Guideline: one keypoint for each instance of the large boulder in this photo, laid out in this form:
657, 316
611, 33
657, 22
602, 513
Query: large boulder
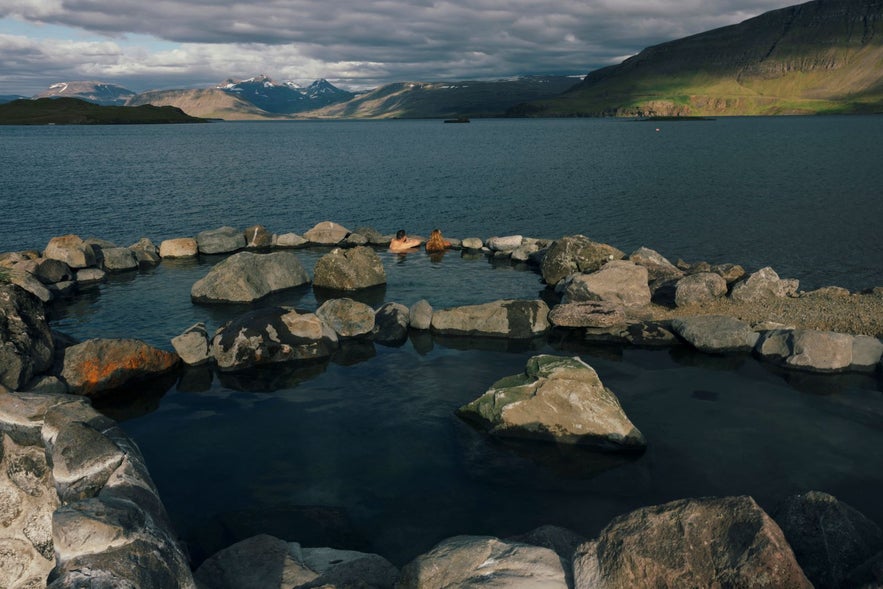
194, 345
246, 277
71, 250
659, 268
146, 254
391, 324
508, 243
222, 240
49, 271
327, 233
699, 288
555, 399
179, 247
258, 237
619, 282
811, 350
711, 542
96, 366
421, 314
119, 259
483, 561
289, 240
587, 314
272, 335
829, 538
349, 269
574, 254
26, 346
512, 319
348, 318
715, 334
761, 285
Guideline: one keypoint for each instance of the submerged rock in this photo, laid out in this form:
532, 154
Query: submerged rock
513, 319
247, 277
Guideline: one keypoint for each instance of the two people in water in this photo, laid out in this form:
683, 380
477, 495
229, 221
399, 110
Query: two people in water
435, 243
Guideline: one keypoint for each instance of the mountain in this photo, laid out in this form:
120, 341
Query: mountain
447, 99
97, 92
207, 103
824, 56
75, 111
10, 97
287, 97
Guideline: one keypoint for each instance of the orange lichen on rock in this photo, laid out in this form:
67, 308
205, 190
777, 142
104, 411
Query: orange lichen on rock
99, 365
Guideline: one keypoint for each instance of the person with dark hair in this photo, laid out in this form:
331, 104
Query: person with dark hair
436, 243
402, 242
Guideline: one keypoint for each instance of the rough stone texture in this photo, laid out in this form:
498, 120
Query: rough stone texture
349, 269
619, 282
71, 250
373, 235
26, 346
289, 240
563, 541
91, 275
578, 253
528, 248
348, 318
699, 288
866, 352
483, 561
506, 243
421, 314
271, 335
258, 237
726, 542
659, 269
146, 254
327, 233
829, 538
513, 319
820, 351
391, 324
729, 272
760, 285
650, 334
97, 366
119, 259
556, 399
587, 314
715, 334
82, 461
29, 283
223, 240
49, 271
181, 247
246, 277
472, 243
193, 346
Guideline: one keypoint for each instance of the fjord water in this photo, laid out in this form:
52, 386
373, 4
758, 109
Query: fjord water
365, 451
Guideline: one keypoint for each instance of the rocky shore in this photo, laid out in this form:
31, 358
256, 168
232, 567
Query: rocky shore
79, 508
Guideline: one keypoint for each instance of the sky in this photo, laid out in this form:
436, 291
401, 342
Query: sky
355, 44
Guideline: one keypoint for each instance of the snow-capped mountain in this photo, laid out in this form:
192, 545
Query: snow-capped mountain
97, 92
285, 97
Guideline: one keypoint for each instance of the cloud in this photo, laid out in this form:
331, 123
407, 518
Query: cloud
359, 43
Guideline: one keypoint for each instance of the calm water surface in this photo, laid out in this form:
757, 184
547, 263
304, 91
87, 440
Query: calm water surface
365, 451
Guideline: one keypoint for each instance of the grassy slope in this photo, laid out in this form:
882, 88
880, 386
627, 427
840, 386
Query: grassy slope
73, 111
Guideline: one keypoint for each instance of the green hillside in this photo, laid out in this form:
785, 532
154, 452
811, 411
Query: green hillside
819, 57
73, 111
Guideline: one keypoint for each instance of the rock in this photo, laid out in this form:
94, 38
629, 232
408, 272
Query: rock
699, 288
571, 255
290, 240
820, 351
94, 525
711, 542
349, 269
26, 346
619, 282
181, 247
472, 243
146, 254
272, 335
715, 334
555, 399
27, 282
421, 314
391, 324
729, 272
827, 291
223, 240
867, 352
587, 314
373, 236
82, 461
563, 541
512, 319
650, 334
257, 237
504, 244
193, 346
354, 239
829, 538
246, 277
348, 318
327, 233
119, 259
483, 561
47, 385
71, 250
96, 366
761, 285
91, 275
99, 244
527, 249
49, 271
659, 269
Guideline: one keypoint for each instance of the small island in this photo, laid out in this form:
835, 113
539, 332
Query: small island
73, 111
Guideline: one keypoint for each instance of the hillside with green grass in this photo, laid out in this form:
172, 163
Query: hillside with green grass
73, 111
824, 56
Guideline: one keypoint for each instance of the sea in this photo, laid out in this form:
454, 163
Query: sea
365, 452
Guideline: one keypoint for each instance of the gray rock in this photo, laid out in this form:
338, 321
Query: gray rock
527, 249
482, 561
290, 240
49, 271
699, 288
866, 352
246, 277
354, 239
349, 269
761, 285
327, 233
391, 323
119, 259
726, 542
715, 334
374, 237
504, 244
180, 247
91, 276
82, 461
472, 243
659, 269
650, 334
260, 562
729, 272
63, 289
97, 366
348, 318
146, 254
619, 282
513, 319
32, 285
587, 314
193, 346
71, 250
349, 568
563, 541
223, 240
571, 255
421, 314
555, 399
258, 237
820, 351
26, 346
47, 385
272, 335
829, 538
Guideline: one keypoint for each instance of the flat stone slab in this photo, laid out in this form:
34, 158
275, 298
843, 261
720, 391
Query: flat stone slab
715, 334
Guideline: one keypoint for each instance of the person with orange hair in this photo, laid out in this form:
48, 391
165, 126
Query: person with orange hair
436, 243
